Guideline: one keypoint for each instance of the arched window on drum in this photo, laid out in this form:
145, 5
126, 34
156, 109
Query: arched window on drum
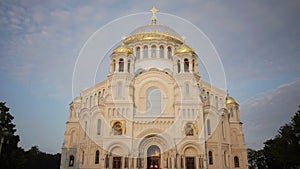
121, 65
153, 51
161, 51
138, 52
169, 53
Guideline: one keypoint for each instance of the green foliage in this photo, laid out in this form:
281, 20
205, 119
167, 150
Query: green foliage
281, 152
37, 159
256, 159
14, 157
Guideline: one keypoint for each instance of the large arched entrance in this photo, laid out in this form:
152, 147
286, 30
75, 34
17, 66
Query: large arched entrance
190, 154
153, 157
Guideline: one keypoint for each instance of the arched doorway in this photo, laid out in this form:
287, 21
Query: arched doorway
190, 158
153, 157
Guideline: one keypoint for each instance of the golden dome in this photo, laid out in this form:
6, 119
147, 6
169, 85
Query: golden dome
230, 100
123, 49
184, 49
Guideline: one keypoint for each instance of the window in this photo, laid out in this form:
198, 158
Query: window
161, 51
208, 98
208, 127
121, 65
138, 52
193, 65
188, 129
187, 89
117, 128
119, 89
128, 66
186, 65
82, 162
236, 162
73, 137
178, 66
145, 52
71, 161
154, 101
153, 51
210, 158
91, 101
216, 102
99, 127
99, 97
97, 157
169, 53
231, 112
106, 161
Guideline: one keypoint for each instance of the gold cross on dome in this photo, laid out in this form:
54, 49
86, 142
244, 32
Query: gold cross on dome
154, 11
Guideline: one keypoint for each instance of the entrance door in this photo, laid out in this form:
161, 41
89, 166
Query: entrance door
153, 162
117, 163
153, 157
190, 162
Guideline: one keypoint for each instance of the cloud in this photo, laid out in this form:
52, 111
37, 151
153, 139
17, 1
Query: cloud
264, 113
40, 41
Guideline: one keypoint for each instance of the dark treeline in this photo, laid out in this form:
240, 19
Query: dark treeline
280, 152
14, 157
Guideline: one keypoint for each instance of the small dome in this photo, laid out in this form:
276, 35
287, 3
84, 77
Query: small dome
77, 99
123, 49
184, 49
230, 100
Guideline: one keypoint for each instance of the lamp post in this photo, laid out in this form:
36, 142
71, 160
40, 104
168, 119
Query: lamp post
203, 98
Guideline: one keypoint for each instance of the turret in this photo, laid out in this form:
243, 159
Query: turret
185, 60
233, 109
122, 60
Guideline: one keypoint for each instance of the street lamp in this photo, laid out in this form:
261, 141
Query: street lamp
203, 98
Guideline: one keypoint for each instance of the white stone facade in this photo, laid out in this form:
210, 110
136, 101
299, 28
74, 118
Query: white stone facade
149, 112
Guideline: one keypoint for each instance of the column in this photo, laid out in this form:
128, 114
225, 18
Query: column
111, 66
205, 162
117, 66
110, 162
182, 65
190, 66
125, 65
134, 163
197, 162
157, 52
122, 162
184, 163
173, 162
165, 52
141, 52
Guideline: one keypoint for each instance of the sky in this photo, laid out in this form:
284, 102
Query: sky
257, 41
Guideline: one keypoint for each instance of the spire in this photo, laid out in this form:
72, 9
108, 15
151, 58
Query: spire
154, 11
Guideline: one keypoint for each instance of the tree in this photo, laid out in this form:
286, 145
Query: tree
256, 159
281, 152
37, 159
10, 155
14, 157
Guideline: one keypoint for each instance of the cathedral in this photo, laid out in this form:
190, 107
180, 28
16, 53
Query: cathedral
153, 111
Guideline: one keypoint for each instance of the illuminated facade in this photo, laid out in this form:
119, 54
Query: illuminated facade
153, 111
